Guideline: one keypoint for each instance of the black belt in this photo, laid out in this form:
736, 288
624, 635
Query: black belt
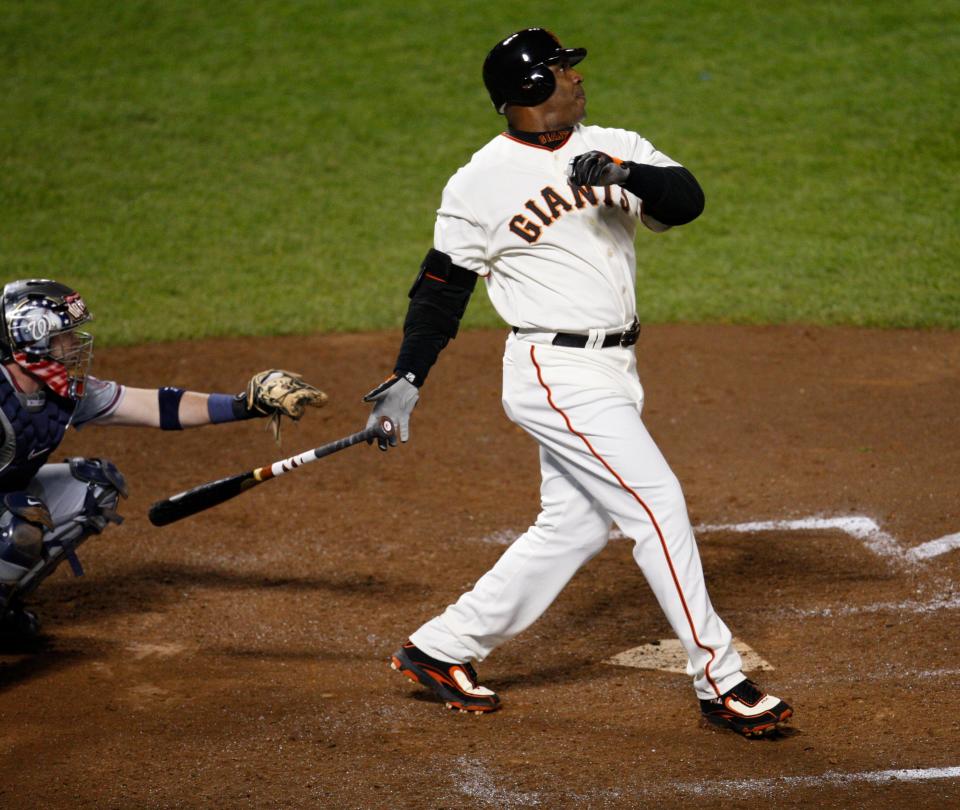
627, 338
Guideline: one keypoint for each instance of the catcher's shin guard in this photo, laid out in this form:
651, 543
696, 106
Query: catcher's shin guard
104, 486
23, 519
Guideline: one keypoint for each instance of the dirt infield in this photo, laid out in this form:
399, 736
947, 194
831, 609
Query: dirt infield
239, 658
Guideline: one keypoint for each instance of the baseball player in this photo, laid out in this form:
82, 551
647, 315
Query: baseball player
47, 510
545, 214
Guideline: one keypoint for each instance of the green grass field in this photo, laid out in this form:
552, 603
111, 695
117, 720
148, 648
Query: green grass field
202, 167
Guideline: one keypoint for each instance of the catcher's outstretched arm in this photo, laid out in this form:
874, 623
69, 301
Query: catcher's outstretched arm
140, 407
273, 393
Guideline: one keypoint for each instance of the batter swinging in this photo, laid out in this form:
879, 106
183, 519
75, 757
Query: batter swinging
546, 215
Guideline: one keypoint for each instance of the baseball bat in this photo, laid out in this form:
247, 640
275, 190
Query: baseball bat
201, 497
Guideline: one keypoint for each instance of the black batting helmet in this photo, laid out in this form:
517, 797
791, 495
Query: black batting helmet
517, 70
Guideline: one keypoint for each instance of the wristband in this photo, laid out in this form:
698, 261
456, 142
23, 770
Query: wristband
168, 400
220, 408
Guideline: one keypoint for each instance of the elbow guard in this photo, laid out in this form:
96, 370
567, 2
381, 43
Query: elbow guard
443, 287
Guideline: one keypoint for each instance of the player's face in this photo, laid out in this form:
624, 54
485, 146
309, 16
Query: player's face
568, 104
64, 345
74, 349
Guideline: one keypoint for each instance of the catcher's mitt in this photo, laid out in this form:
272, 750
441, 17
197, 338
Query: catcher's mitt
277, 393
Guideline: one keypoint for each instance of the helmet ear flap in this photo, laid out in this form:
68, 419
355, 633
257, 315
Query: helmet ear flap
538, 85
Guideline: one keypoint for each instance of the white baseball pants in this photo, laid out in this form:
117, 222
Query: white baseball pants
599, 466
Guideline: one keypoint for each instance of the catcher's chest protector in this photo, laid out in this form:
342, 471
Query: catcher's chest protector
32, 427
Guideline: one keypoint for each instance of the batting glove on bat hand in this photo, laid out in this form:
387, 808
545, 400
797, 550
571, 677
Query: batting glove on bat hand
394, 398
277, 393
596, 169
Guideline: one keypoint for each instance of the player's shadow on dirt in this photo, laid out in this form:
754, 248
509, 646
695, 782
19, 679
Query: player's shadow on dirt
38, 657
809, 557
572, 671
64, 599
310, 655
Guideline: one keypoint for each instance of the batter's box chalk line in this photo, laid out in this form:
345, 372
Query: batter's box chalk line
476, 780
859, 527
668, 655
740, 788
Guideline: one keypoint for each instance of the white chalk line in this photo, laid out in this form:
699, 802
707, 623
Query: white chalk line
827, 779
934, 548
888, 675
476, 782
860, 527
932, 605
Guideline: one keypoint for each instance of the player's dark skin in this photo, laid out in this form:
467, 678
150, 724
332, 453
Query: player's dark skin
565, 108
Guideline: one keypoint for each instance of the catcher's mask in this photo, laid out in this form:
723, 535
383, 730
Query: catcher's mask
38, 331
517, 70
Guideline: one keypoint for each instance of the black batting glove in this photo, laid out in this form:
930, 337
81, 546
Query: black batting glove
596, 169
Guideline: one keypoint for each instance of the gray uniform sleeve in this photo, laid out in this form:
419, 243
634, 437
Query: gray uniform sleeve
100, 399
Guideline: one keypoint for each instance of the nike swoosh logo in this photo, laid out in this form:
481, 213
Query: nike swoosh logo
40, 452
464, 683
744, 710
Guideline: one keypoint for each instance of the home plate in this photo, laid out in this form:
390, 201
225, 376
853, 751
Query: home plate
668, 655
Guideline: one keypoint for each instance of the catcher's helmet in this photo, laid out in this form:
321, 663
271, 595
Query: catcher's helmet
32, 313
517, 70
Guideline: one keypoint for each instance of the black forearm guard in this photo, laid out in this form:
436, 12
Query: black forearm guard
438, 300
670, 194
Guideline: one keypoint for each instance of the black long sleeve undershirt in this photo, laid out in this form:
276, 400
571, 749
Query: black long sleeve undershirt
670, 194
426, 332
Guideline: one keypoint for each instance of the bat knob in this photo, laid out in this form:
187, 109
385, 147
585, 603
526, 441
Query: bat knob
386, 427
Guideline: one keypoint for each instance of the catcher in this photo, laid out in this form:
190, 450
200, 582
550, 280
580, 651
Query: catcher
47, 510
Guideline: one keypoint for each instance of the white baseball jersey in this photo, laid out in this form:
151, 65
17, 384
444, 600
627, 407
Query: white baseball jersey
554, 257
562, 259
